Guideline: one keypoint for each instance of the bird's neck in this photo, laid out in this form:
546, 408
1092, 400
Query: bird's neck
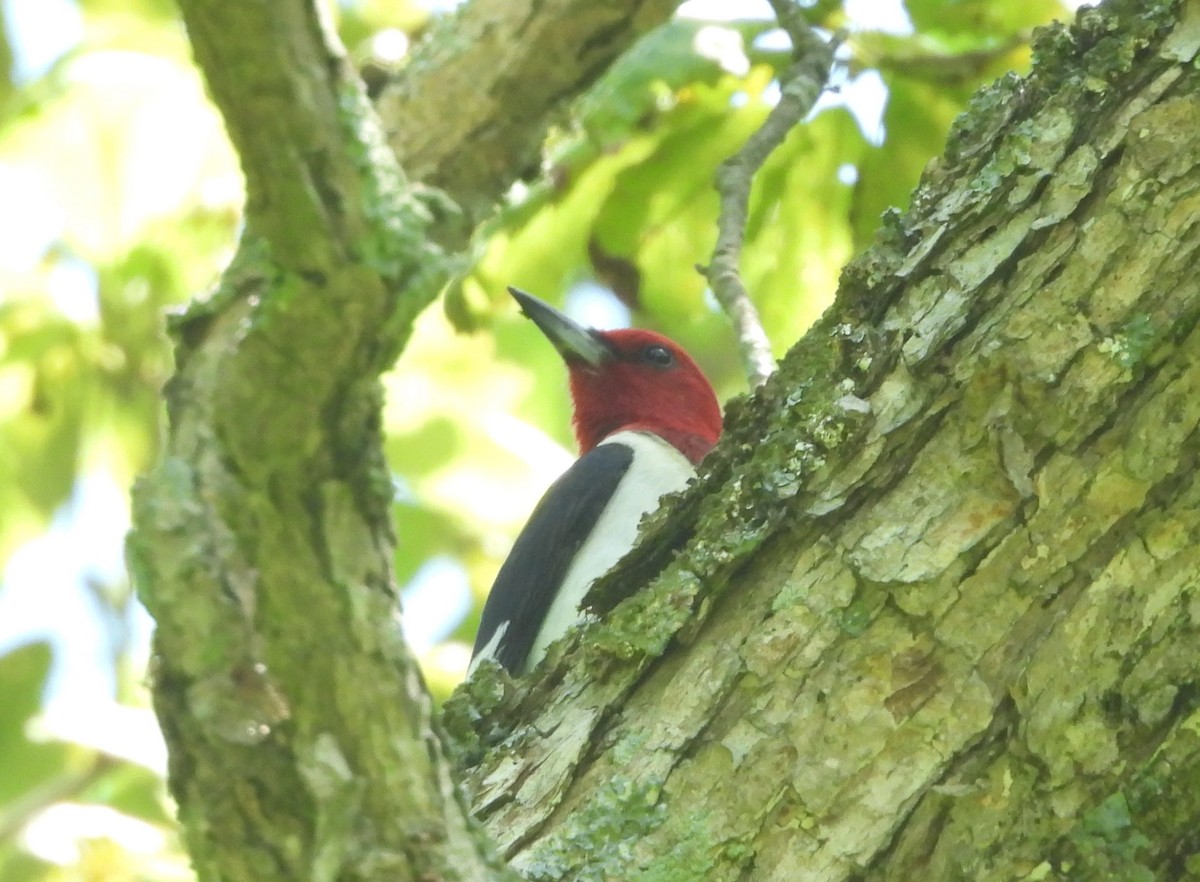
692, 445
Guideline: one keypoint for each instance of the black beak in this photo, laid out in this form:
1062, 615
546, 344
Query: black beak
573, 341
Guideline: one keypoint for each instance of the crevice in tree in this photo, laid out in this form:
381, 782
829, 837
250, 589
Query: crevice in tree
1125, 400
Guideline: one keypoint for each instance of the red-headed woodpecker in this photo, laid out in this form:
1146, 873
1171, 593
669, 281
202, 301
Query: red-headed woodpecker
644, 417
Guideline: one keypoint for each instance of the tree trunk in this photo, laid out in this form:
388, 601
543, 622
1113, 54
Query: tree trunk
930, 613
937, 609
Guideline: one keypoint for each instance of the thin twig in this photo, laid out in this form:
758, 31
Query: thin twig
949, 68
801, 84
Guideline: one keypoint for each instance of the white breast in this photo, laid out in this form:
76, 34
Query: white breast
657, 468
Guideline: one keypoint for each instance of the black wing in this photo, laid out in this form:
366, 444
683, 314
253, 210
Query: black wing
563, 519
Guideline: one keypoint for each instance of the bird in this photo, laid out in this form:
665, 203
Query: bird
644, 416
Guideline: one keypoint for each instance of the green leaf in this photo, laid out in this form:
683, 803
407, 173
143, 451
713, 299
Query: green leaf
982, 19
163, 10
43, 399
133, 790
675, 55
19, 866
661, 211
24, 764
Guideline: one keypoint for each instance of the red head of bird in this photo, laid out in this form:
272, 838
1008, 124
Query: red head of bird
630, 379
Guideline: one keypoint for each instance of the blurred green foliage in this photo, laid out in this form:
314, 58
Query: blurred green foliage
121, 199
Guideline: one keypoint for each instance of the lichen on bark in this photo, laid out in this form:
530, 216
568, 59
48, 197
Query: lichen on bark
936, 582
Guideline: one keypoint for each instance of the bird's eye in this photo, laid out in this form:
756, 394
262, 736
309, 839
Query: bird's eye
658, 355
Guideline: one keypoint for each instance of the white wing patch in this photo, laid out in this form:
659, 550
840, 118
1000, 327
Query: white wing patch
489, 649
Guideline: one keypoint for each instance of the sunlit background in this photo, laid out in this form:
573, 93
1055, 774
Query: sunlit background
120, 199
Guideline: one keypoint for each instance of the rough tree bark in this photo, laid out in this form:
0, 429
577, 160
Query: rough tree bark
938, 601
301, 737
930, 613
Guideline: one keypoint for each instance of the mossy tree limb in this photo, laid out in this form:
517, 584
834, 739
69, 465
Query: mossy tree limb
936, 608
301, 737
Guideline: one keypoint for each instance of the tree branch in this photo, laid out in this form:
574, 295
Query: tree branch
801, 85
896, 55
469, 112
